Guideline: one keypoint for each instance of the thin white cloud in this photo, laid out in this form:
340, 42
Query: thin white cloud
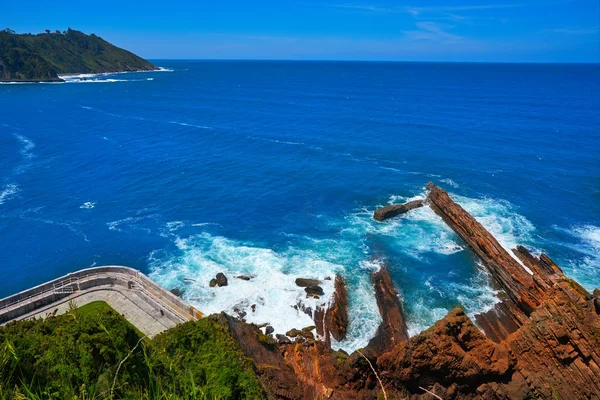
419, 10
575, 31
361, 7
431, 32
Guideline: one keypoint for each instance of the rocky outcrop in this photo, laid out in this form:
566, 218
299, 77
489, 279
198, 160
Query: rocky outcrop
522, 287
387, 212
220, 280
452, 357
392, 330
333, 320
276, 377
305, 282
541, 341
337, 316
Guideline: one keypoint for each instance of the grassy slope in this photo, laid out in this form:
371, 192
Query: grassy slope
77, 355
44, 56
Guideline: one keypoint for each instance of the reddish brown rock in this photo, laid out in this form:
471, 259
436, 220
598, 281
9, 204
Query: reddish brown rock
276, 377
337, 315
508, 274
392, 330
451, 354
305, 282
542, 341
394, 210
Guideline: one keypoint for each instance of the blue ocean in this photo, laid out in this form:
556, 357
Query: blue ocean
273, 170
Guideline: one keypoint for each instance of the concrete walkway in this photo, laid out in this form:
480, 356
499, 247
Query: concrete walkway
145, 304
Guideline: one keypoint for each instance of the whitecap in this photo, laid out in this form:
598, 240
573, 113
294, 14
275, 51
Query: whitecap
130, 223
174, 225
276, 141
8, 192
27, 146
190, 125
449, 182
88, 205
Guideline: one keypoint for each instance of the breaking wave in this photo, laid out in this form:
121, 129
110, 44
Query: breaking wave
584, 264
270, 296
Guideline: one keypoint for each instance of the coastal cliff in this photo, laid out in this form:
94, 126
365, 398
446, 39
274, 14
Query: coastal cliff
45, 56
541, 341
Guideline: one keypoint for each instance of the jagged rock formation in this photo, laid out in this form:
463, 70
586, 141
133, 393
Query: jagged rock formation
333, 320
542, 341
220, 280
392, 331
337, 317
384, 213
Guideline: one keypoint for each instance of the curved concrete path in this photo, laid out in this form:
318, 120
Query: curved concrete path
145, 304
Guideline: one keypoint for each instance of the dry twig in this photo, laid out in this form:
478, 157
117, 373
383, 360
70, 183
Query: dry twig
376, 375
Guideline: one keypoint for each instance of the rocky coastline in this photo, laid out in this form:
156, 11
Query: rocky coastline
541, 341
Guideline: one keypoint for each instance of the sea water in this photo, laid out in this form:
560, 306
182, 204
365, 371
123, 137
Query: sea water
273, 170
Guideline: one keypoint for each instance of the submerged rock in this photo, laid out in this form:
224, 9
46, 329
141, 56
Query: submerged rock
177, 292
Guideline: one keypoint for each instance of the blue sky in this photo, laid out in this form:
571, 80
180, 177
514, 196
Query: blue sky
456, 30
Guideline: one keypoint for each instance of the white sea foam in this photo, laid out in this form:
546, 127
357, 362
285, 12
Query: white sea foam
8, 192
98, 78
190, 125
276, 141
88, 205
274, 294
26, 146
449, 182
72, 226
416, 233
131, 224
272, 291
172, 226
586, 267
501, 220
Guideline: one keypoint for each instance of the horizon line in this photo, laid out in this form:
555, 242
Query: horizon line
371, 61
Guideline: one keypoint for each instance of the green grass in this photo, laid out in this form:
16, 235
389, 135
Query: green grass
94, 308
92, 352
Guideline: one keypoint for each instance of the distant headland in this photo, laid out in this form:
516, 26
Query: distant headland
45, 56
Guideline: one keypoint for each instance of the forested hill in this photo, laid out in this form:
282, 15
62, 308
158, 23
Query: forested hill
42, 57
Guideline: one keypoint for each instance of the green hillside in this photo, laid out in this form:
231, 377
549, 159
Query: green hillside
93, 353
42, 57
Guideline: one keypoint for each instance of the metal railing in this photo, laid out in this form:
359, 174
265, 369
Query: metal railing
73, 282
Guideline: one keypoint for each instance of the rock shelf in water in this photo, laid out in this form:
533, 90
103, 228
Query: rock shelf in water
541, 341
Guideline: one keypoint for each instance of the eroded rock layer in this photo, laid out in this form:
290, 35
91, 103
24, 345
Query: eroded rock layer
542, 341
387, 212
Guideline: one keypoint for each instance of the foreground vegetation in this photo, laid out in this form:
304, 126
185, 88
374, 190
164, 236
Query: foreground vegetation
43, 56
94, 353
